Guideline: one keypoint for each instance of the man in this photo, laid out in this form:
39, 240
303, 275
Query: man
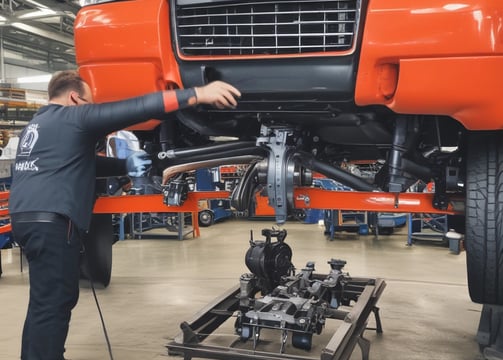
52, 193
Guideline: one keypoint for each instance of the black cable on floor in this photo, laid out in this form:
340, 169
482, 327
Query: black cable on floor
91, 282
102, 320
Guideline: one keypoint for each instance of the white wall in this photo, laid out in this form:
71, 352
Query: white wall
14, 72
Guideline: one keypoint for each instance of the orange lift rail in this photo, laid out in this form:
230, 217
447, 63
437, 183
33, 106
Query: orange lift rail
304, 198
154, 203
311, 198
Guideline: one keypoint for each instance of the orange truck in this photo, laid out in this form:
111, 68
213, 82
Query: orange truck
414, 85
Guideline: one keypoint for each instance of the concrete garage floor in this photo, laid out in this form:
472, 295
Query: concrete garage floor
156, 284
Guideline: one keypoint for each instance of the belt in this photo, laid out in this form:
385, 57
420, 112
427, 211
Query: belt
37, 216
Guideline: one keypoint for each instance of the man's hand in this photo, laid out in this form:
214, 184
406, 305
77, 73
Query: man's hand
219, 94
138, 163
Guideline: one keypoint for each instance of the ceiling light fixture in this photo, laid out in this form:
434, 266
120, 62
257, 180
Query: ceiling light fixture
34, 79
37, 13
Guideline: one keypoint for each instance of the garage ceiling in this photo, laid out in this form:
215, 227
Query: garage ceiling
38, 34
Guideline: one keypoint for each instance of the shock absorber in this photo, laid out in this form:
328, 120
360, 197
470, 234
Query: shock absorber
395, 158
404, 137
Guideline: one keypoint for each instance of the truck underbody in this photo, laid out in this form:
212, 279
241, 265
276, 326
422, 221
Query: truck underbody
327, 85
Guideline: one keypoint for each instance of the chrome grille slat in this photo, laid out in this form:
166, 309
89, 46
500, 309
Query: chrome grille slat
270, 36
184, 17
268, 47
266, 24
267, 27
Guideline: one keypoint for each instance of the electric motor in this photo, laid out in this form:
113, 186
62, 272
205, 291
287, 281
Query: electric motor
269, 261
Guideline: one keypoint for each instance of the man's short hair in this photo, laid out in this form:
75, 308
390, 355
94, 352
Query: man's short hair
63, 81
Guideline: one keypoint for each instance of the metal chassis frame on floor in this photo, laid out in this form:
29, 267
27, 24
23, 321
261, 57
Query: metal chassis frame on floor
189, 343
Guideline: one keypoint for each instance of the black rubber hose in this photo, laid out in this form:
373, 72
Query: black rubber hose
209, 154
422, 172
242, 193
335, 173
203, 150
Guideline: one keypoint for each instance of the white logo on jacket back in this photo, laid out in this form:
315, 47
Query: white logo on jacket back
28, 140
27, 165
26, 145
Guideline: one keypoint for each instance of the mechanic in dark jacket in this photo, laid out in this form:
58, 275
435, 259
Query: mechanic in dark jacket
52, 193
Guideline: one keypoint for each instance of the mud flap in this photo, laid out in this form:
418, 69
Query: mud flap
96, 260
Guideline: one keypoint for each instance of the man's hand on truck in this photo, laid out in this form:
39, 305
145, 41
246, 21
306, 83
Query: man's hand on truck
219, 94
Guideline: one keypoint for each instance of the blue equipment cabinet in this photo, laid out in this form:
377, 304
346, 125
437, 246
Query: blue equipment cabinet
215, 209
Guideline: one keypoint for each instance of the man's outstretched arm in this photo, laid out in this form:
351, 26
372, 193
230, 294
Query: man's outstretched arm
108, 117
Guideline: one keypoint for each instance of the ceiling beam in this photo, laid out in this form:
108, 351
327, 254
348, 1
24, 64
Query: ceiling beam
48, 67
38, 30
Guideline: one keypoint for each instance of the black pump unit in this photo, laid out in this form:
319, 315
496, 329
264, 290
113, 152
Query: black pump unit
269, 261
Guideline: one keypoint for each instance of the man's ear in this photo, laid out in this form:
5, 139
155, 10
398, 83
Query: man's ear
73, 98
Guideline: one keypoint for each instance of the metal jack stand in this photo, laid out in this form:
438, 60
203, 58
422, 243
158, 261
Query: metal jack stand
189, 343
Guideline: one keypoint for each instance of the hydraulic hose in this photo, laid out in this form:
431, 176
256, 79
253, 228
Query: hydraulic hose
203, 150
210, 154
242, 194
335, 173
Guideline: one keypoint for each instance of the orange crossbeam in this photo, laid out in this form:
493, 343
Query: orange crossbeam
152, 203
310, 198
306, 198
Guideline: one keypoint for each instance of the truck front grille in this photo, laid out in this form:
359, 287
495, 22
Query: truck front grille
266, 28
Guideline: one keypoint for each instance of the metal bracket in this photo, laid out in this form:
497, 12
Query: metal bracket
280, 169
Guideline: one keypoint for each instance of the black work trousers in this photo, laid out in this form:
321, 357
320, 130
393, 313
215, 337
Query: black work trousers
53, 250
